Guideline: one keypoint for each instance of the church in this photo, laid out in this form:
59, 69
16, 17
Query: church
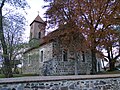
60, 52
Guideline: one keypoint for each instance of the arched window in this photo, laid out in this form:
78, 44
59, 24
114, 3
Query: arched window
83, 56
39, 35
29, 59
64, 55
41, 56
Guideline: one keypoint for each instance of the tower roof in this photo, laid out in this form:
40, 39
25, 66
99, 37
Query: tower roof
38, 19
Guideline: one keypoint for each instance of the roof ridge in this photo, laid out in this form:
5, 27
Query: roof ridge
39, 19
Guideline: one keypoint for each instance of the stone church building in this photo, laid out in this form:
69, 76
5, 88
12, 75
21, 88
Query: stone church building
61, 52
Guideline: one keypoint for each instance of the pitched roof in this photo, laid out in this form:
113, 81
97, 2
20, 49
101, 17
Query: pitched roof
60, 32
38, 19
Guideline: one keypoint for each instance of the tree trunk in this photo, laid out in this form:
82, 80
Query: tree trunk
111, 65
93, 50
103, 65
94, 62
7, 70
119, 43
98, 66
111, 61
7, 67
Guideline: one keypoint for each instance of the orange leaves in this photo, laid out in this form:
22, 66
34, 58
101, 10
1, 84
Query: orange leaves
93, 18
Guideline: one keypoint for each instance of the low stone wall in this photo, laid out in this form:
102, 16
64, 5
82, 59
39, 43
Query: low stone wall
75, 82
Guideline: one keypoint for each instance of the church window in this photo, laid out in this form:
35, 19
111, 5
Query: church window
64, 55
39, 35
78, 55
29, 59
83, 56
41, 56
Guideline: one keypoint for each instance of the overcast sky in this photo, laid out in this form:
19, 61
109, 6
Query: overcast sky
36, 5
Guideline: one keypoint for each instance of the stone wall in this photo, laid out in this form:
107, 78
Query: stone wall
47, 52
47, 55
51, 57
74, 62
82, 82
54, 67
30, 62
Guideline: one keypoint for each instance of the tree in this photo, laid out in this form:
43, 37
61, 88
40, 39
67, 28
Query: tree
91, 17
17, 4
110, 45
14, 26
113, 49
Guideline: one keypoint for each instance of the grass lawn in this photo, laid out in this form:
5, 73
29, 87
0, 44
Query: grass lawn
19, 75
2, 76
110, 72
15, 75
23, 75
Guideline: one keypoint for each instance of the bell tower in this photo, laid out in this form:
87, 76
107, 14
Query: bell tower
37, 30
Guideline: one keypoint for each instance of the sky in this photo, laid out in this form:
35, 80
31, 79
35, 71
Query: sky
36, 8
36, 5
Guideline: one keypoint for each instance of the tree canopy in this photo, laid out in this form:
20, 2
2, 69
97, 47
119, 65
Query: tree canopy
11, 28
93, 18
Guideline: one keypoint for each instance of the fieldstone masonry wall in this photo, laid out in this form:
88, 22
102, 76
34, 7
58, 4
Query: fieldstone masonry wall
54, 67
82, 82
31, 65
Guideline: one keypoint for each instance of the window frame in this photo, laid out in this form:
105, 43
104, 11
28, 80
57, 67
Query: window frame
64, 55
41, 56
29, 59
83, 56
39, 35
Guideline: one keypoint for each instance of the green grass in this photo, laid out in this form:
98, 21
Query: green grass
19, 75
15, 75
24, 75
2, 76
110, 72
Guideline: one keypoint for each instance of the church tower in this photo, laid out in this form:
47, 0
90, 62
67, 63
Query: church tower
37, 30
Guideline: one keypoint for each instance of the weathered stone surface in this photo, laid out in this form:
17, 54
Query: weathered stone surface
64, 88
53, 63
31, 65
46, 54
89, 82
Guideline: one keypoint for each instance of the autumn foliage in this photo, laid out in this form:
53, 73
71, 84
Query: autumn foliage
95, 19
